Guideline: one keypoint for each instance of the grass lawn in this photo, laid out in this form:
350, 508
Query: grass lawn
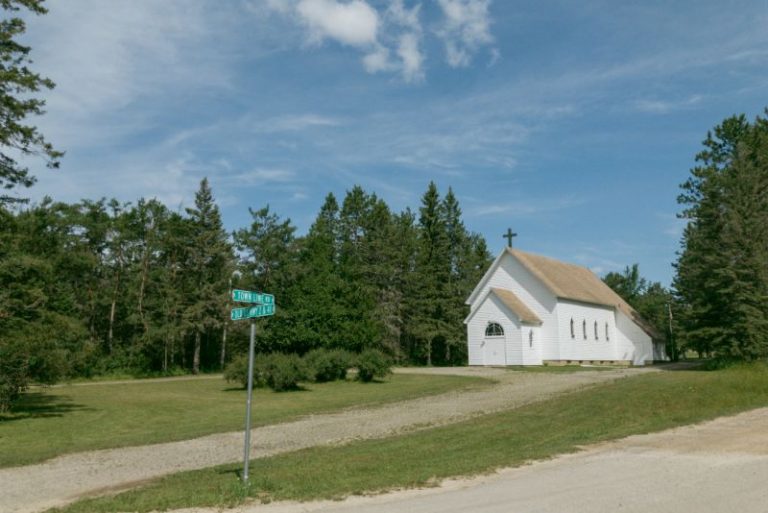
54, 421
635, 405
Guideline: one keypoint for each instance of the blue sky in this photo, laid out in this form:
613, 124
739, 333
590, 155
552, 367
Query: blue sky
571, 122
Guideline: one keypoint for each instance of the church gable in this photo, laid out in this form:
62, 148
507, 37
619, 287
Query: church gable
507, 273
513, 304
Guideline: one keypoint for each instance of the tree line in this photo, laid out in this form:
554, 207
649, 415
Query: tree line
102, 286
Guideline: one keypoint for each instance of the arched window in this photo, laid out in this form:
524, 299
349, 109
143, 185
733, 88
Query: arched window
573, 330
597, 337
494, 329
530, 338
584, 328
607, 333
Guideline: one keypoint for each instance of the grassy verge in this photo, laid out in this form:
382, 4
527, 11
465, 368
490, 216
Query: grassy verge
641, 404
50, 422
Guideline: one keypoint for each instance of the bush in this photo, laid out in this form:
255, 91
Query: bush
283, 371
371, 364
328, 365
236, 371
278, 371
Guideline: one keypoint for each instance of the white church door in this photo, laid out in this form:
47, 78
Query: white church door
494, 345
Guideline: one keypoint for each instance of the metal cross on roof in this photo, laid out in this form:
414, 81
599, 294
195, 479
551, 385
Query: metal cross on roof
509, 236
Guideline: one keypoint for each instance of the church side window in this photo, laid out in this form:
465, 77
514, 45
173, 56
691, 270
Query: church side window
530, 338
607, 333
494, 329
584, 328
597, 337
573, 330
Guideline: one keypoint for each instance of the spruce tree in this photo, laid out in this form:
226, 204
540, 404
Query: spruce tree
207, 270
721, 272
430, 298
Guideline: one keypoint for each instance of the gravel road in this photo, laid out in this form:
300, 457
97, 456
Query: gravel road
63, 479
715, 467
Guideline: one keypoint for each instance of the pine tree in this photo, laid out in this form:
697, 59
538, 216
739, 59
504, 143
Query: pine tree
19, 83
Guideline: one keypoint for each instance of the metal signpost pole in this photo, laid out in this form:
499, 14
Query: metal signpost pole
248, 402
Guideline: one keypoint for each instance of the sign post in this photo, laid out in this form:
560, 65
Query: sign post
247, 455
265, 306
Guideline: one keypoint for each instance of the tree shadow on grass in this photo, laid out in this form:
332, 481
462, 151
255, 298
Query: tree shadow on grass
696, 365
34, 405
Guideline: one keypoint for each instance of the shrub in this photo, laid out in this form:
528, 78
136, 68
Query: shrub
236, 371
371, 364
283, 371
277, 371
327, 365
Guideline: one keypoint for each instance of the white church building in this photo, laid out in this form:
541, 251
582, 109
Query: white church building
533, 310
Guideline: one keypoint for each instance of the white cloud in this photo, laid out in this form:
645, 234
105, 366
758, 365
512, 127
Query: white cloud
378, 60
354, 23
390, 38
465, 29
401, 15
409, 53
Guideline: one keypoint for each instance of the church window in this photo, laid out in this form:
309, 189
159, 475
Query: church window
584, 328
607, 333
597, 337
573, 331
494, 329
530, 338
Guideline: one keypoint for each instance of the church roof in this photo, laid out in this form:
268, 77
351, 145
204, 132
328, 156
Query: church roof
577, 283
517, 307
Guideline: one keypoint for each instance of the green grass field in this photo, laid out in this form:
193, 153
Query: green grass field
54, 421
629, 406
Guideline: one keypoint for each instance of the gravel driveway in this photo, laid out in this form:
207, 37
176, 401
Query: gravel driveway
63, 479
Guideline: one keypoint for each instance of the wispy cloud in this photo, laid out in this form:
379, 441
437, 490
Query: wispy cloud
295, 123
526, 207
105, 58
656, 106
261, 176
466, 27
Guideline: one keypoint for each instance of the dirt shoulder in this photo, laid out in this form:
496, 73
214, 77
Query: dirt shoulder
66, 478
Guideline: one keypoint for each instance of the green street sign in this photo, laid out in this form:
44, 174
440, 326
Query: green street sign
246, 296
252, 312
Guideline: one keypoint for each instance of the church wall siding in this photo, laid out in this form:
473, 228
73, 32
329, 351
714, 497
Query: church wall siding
511, 275
591, 349
634, 343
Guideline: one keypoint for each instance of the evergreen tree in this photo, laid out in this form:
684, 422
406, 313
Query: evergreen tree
430, 298
17, 102
721, 272
208, 269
